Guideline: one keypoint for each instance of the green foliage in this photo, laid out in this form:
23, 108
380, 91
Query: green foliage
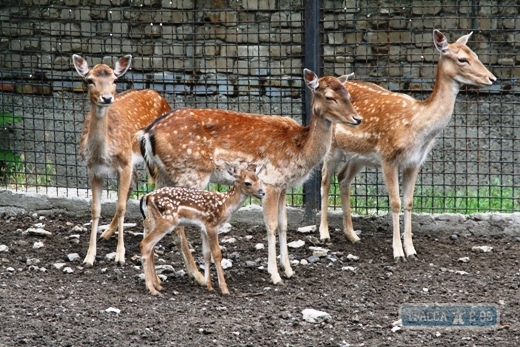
10, 162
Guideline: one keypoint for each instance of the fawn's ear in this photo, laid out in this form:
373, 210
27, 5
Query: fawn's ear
122, 65
80, 65
345, 78
258, 168
440, 41
231, 170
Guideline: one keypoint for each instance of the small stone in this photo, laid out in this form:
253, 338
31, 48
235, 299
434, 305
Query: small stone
454, 237
458, 272
113, 309
10, 269
73, 256
483, 249
110, 256
304, 262
164, 269
313, 259
314, 316
352, 257
259, 246
225, 228
396, 329
226, 263
38, 232
68, 270
296, 244
229, 240
32, 261
464, 259
38, 244
58, 266
319, 251
349, 268
250, 263
307, 229
78, 228
4, 248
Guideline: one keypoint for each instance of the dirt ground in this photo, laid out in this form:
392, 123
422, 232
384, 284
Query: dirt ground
108, 305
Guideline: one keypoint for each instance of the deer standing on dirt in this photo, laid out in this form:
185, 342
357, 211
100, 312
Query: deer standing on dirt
188, 147
166, 208
397, 134
108, 142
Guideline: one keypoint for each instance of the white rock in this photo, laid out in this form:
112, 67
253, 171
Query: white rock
319, 251
315, 316
38, 244
296, 244
458, 272
58, 265
68, 270
397, 323
349, 268
161, 269
352, 257
10, 269
304, 262
464, 259
73, 256
425, 290
105, 227
110, 256
229, 240
396, 329
483, 249
226, 228
39, 232
4, 248
307, 229
39, 225
259, 246
78, 228
32, 261
73, 236
113, 309
226, 263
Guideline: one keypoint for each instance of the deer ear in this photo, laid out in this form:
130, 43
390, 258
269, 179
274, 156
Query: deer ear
345, 78
258, 168
80, 64
122, 65
440, 41
231, 170
463, 40
311, 79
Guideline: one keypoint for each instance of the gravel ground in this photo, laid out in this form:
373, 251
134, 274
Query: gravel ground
47, 299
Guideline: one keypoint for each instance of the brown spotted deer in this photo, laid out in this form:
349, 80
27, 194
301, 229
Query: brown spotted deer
108, 142
188, 147
397, 134
166, 208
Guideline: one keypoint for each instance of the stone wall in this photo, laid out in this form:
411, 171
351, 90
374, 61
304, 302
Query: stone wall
247, 55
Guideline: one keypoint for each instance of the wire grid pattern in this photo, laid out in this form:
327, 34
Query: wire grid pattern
248, 56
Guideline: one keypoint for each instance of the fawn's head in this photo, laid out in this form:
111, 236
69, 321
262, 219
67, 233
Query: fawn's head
247, 181
331, 99
460, 62
101, 78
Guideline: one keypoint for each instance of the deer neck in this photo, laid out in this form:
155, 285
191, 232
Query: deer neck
98, 131
440, 105
316, 138
233, 200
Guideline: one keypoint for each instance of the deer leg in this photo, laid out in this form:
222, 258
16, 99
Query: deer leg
96, 184
282, 235
216, 252
147, 247
125, 180
345, 177
149, 225
181, 242
206, 252
409, 179
329, 165
270, 207
391, 176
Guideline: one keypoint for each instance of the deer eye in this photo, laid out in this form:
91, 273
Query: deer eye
248, 184
90, 82
330, 99
463, 60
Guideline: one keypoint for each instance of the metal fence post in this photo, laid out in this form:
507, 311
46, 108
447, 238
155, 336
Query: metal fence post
312, 61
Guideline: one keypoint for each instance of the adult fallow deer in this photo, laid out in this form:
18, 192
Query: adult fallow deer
188, 147
397, 134
108, 142
166, 208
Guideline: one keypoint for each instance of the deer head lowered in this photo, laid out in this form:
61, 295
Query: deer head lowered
107, 140
397, 134
166, 208
188, 147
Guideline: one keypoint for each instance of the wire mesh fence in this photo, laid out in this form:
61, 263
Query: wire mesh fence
248, 56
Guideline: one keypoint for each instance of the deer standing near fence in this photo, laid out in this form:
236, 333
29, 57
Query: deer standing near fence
397, 134
108, 142
188, 147
166, 208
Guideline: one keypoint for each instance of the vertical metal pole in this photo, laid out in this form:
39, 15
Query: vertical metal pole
312, 61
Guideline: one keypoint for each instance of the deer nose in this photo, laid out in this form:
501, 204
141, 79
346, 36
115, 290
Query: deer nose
357, 120
106, 100
260, 194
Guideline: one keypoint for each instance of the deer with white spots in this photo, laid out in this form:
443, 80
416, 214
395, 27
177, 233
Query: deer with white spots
397, 134
108, 142
166, 208
188, 147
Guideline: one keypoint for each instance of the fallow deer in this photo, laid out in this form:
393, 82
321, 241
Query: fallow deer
108, 142
188, 147
166, 208
397, 134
